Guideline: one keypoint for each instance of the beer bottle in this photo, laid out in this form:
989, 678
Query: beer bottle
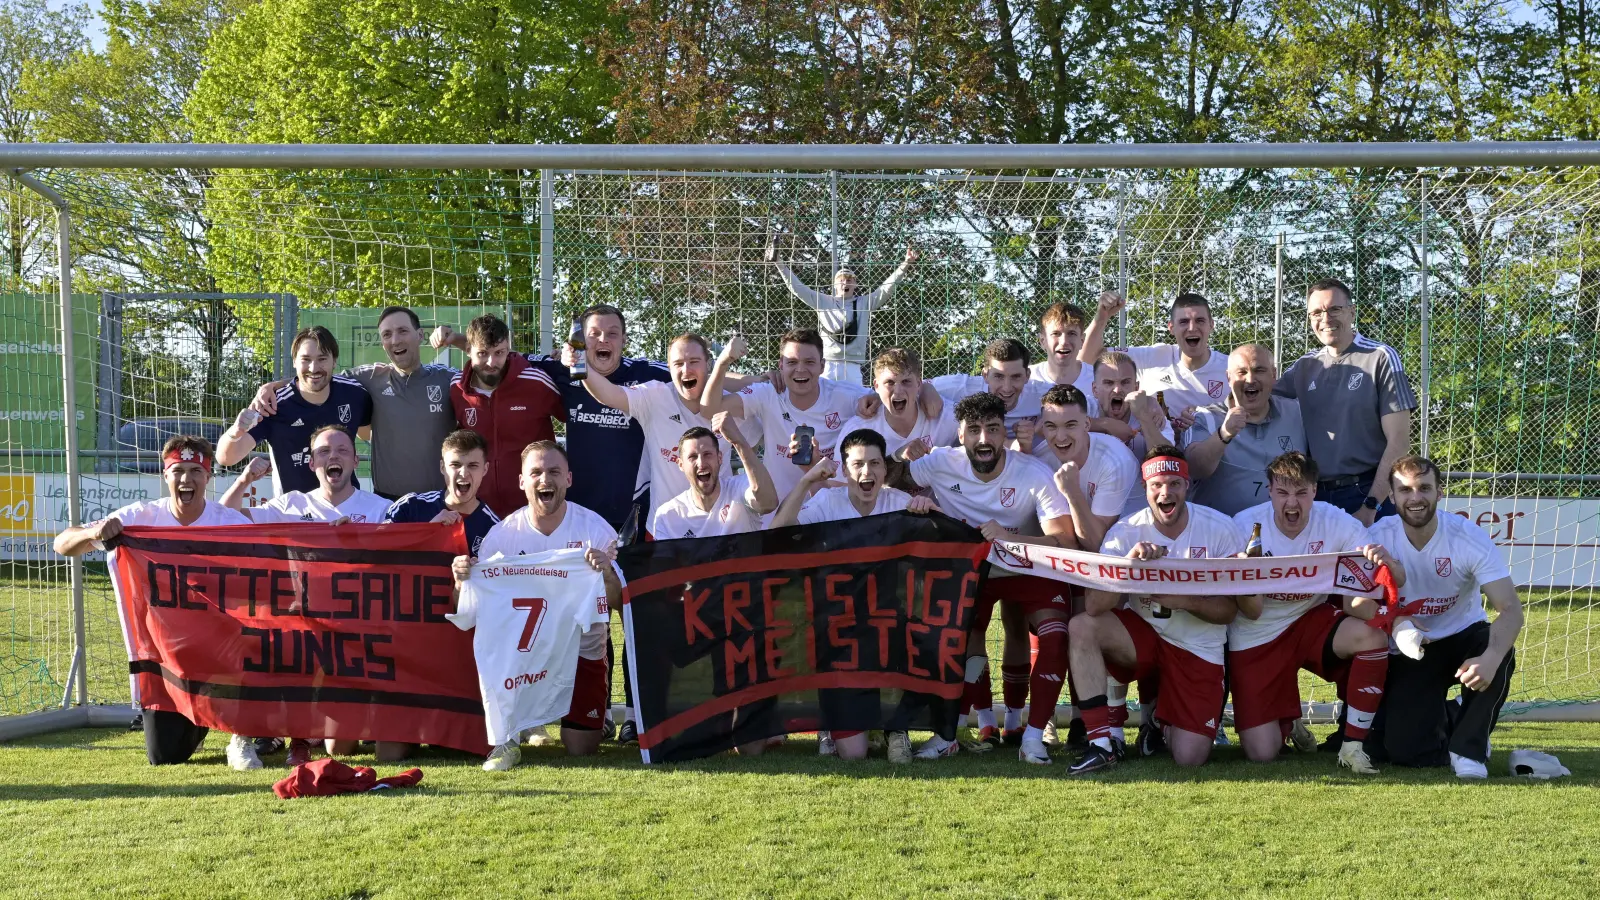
1161, 400
630, 527
1254, 547
580, 356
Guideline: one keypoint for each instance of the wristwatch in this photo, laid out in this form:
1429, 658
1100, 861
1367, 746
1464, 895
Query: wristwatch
1369, 502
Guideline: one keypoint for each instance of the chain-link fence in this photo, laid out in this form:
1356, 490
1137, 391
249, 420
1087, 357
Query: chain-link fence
1487, 281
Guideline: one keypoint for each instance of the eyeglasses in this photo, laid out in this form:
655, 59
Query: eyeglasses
1330, 312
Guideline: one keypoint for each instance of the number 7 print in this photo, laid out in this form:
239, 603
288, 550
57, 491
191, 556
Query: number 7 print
536, 607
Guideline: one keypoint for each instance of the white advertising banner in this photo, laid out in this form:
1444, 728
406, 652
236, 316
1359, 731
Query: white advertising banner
1548, 541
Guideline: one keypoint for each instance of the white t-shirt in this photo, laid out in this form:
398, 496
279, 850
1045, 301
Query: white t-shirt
300, 506
1161, 368
158, 514
1447, 574
833, 505
1329, 530
778, 417
955, 388
1023, 496
1040, 372
1209, 535
661, 413
940, 432
528, 617
732, 513
580, 529
1110, 476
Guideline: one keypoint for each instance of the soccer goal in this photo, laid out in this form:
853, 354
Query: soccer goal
185, 268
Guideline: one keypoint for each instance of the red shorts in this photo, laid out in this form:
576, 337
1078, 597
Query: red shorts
1265, 678
1031, 593
1192, 689
591, 696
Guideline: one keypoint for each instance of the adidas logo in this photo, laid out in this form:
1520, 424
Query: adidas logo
676, 418
1057, 599
1166, 379
1312, 386
594, 713
389, 391
1211, 723
956, 488
1049, 677
689, 533
786, 418
1371, 690
298, 423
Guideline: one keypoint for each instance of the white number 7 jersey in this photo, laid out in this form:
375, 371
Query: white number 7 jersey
529, 613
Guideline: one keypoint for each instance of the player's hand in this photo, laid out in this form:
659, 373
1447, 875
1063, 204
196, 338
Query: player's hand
1111, 303
600, 560
1025, 428
461, 567
446, 517
929, 400
735, 349
724, 424
1146, 550
568, 355
868, 406
442, 337
1379, 555
1141, 405
823, 470
259, 468
916, 449
266, 401
342, 520
912, 255
245, 420
773, 377
922, 506
1365, 516
993, 531
107, 529
1185, 418
1232, 423
1477, 673
1066, 477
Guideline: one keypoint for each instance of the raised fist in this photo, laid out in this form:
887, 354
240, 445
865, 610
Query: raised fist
441, 337
1111, 302
259, 468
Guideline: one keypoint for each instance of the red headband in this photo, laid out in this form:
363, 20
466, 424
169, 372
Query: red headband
1164, 465
186, 455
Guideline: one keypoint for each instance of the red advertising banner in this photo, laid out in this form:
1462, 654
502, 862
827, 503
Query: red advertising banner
301, 630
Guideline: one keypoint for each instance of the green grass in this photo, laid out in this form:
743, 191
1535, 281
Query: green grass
87, 816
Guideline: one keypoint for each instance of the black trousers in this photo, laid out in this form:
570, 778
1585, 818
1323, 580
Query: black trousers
1417, 726
170, 738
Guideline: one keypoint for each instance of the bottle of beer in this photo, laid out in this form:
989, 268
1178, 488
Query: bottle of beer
580, 355
1254, 547
630, 527
1161, 400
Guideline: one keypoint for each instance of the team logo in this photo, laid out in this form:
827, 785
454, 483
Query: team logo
786, 418
1215, 389
723, 514
1092, 486
1354, 382
472, 416
574, 545
1353, 573
1285, 443
435, 393
1012, 555
1441, 564
1008, 497
344, 413
832, 421
1197, 553
1314, 547
1312, 385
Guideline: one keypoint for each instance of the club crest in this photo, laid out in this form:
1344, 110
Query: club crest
832, 421
472, 416
1197, 553
435, 393
344, 413
1215, 388
1285, 443
1354, 382
1441, 565
1008, 497
1314, 547
1012, 555
1353, 573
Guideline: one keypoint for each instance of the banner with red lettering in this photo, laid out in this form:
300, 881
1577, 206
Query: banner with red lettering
301, 630
850, 625
1345, 574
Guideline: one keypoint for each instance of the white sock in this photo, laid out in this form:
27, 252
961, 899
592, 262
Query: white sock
986, 718
1102, 743
1117, 698
627, 714
1033, 734
1013, 718
939, 742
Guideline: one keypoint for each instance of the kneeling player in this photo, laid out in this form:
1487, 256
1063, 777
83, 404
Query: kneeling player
169, 737
1277, 635
1180, 639
864, 494
549, 522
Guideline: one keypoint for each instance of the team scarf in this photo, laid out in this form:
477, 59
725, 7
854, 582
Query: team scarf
301, 630
1346, 574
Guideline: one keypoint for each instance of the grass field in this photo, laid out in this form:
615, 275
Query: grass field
88, 817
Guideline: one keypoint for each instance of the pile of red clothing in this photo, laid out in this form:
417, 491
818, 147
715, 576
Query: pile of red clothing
325, 777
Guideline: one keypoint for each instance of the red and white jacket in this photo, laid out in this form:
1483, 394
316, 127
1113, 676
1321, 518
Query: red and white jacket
514, 415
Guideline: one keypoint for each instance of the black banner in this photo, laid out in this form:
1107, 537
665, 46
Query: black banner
843, 626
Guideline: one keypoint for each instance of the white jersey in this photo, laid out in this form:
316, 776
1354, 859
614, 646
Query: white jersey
663, 417
833, 505
955, 388
1447, 574
1161, 368
580, 529
778, 418
1329, 530
1110, 476
528, 617
1023, 496
732, 513
302, 506
1209, 535
158, 514
940, 432
1040, 372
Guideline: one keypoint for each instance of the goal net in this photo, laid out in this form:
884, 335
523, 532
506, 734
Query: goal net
187, 283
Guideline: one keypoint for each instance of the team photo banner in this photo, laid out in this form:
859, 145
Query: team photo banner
301, 630
849, 625
1347, 574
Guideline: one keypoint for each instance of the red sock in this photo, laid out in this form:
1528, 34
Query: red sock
1096, 716
1118, 715
1014, 686
1365, 691
1049, 672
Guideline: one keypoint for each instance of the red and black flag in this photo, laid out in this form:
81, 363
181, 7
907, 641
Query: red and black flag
301, 630
844, 626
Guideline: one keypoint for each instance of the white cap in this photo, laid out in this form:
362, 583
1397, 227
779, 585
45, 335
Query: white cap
1534, 764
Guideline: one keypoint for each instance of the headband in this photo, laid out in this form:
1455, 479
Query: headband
185, 455
1164, 465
